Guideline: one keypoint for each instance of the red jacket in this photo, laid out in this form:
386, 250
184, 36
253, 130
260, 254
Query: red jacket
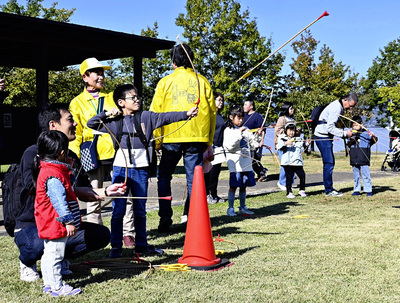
45, 213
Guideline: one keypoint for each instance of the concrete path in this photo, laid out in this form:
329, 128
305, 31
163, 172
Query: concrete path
261, 188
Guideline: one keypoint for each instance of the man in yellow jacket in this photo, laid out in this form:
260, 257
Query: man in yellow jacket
83, 107
179, 91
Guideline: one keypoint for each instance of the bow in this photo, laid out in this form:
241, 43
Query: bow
194, 70
122, 150
363, 127
250, 71
309, 132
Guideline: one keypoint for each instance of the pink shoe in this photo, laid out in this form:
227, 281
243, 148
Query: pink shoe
290, 196
302, 193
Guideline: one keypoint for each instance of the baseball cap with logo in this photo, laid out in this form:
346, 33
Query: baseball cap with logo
91, 63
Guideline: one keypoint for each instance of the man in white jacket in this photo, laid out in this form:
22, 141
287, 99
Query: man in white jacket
326, 129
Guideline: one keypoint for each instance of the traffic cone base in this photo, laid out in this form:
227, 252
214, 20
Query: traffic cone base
222, 264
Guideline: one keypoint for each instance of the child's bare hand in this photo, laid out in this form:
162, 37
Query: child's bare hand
71, 230
192, 112
243, 128
116, 189
113, 112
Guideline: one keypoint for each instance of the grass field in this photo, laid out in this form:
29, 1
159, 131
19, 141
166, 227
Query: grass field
316, 249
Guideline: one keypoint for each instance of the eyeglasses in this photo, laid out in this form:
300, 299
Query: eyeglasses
135, 98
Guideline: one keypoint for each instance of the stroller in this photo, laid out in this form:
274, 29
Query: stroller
393, 154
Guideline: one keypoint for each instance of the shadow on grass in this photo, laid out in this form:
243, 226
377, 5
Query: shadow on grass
270, 210
122, 269
112, 269
349, 190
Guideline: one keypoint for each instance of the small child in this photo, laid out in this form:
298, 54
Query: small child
134, 129
360, 153
292, 159
57, 212
237, 141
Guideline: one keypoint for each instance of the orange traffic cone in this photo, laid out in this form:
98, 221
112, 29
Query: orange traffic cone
199, 251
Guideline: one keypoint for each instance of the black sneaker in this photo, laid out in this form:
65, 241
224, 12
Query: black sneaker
165, 226
148, 250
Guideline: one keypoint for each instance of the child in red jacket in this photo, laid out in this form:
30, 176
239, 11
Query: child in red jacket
57, 212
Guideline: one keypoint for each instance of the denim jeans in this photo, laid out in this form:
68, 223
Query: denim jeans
137, 183
366, 176
53, 255
192, 153
328, 159
89, 237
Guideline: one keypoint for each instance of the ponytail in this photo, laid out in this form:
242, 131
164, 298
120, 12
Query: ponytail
35, 170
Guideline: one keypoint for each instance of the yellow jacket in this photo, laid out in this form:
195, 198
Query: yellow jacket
179, 92
82, 109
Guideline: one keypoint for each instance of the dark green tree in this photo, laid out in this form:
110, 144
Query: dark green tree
21, 82
380, 87
153, 68
313, 83
227, 44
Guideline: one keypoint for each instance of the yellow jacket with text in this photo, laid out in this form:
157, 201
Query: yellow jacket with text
179, 92
83, 107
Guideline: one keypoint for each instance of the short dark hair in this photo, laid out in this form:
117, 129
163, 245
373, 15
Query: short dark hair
120, 92
251, 103
357, 119
179, 57
52, 112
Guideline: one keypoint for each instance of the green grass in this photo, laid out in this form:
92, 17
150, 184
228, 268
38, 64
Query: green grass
4, 168
338, 250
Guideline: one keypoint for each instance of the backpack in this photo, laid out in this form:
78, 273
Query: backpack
11, 194
315, 116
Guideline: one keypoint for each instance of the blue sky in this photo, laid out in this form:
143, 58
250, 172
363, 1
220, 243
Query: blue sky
355, 29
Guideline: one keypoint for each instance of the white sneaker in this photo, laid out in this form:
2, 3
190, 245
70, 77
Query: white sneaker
245, 211
211, 200
28, 274
65, 271
290, 196
281, 186
334, 193
231, 212
302, 193
184, 219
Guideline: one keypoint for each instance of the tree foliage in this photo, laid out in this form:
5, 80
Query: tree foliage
391, 97
35, 9
21, 82
227, 44
153, 69
381, 84
313, 83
